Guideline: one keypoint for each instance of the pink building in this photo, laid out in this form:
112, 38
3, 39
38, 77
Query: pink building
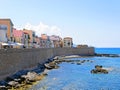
50, 41
21, 37
56, 40
18, 36
44, 41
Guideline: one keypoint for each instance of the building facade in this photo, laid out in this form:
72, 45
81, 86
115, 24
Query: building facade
18, 36
44, 41
67, 42
9, 24
26, 40
55, 41
31, 37
3, 33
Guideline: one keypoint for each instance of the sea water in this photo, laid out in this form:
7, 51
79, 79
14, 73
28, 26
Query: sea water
78, 77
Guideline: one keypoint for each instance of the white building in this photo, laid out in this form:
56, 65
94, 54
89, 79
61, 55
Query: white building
3, 33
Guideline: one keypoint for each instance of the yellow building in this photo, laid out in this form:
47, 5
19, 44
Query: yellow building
31, 36
9, 24
67, 42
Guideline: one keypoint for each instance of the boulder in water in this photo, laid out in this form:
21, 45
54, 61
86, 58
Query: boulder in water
99, 69
51, 65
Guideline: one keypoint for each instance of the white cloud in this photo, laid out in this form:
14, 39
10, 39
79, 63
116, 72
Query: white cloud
43, 29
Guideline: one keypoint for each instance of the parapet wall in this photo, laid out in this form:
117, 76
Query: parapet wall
13, 60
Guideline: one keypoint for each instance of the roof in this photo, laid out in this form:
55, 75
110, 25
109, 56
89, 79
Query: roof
30, 32
25, 32
7, 19
67, 38
44, 36
56, 38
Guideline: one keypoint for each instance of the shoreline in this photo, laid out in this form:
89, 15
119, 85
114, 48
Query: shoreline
40, 71
12, 82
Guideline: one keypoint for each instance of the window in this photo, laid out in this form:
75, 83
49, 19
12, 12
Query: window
3, 27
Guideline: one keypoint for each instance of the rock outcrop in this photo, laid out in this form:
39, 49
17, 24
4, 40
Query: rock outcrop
107, 55
51, 65
98, 69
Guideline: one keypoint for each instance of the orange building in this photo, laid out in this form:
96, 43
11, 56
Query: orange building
44, 36
9, 25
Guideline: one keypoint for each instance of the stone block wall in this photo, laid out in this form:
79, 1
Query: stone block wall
13, 60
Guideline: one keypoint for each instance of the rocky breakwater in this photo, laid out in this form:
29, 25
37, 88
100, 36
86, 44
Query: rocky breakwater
57, 60
51, 65
23, 79
60, 59
22, 82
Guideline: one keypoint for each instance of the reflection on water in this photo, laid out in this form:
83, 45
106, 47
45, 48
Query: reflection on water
78, 77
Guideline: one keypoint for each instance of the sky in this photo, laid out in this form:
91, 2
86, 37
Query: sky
92, 22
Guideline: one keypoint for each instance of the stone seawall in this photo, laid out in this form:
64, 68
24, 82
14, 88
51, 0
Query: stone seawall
13, 60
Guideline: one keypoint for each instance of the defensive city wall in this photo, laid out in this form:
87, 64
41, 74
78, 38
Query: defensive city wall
13, 60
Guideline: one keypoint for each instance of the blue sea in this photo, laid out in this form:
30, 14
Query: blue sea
78, 77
